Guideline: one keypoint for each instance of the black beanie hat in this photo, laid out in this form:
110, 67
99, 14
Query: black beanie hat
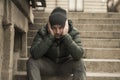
58, 17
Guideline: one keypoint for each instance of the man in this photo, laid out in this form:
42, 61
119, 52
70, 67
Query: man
56, 49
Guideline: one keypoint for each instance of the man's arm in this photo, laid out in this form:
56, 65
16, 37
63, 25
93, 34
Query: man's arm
40, 45
73, 43
74, 46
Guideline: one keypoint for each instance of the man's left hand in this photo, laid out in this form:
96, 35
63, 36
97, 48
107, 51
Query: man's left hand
66, 28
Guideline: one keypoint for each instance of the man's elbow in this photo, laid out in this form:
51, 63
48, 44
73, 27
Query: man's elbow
34, 54
78, 57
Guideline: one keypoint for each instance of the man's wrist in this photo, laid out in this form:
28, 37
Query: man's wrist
67, 39
51, 37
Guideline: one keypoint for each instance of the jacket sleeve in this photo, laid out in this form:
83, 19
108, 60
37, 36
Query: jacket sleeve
40, 45
73, 45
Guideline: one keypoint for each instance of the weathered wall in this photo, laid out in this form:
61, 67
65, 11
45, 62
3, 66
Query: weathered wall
1, 34
17, 19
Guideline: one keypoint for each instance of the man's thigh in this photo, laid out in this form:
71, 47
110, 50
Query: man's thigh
45, 65
70, 66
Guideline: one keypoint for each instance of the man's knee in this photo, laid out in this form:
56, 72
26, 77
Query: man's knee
32, 63
79, 64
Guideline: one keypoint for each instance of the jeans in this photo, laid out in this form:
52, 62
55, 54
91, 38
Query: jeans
45, 67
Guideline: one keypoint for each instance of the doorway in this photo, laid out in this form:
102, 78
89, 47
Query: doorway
76, 5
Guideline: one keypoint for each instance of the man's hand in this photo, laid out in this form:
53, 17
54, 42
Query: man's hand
50, 30
66, 28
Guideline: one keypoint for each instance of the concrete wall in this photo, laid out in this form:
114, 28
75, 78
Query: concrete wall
1, 35
13, 18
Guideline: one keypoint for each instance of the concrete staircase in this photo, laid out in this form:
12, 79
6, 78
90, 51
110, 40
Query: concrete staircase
97, 6
100, 35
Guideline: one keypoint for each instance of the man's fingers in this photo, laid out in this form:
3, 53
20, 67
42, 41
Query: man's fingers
49, 29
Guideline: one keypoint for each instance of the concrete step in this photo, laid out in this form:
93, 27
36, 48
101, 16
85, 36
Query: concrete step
80, 15
102, 53
101, 43
95, 10
103, 65
94, 4
90, 34
96, 21
100, 34
103, 76
99, 6
90, 76
21, 65
97, 27
20, 75
84, 27
85, 21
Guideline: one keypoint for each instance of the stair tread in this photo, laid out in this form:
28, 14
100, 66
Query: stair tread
102, 60
101, 74
102, 48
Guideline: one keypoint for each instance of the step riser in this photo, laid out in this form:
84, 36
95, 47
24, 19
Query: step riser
98, 27
86, 21
102, 54
80, 15
111, 67
83, 27
101, 43
99, 35
96, 21
93, 43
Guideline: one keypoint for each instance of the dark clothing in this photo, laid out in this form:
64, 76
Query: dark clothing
68, 46
51, 56
46, 68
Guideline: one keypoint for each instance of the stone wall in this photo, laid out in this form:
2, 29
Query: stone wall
1, 45
12, 22
1, 35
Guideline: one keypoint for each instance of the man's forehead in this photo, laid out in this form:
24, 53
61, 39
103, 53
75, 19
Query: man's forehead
57, 25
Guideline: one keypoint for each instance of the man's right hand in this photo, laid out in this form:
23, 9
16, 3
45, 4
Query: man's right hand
50, 29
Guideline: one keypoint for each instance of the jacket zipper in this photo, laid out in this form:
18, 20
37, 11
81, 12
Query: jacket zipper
58, 52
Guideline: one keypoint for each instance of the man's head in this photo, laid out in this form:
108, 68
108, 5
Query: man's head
57, 21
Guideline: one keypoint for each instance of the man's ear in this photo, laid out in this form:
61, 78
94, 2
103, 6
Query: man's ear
70, 23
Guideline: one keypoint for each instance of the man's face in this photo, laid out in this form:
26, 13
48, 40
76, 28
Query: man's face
58, 30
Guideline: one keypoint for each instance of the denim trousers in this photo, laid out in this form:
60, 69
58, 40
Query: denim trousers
46, 67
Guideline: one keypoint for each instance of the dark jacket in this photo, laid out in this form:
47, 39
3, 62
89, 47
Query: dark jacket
68, 46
